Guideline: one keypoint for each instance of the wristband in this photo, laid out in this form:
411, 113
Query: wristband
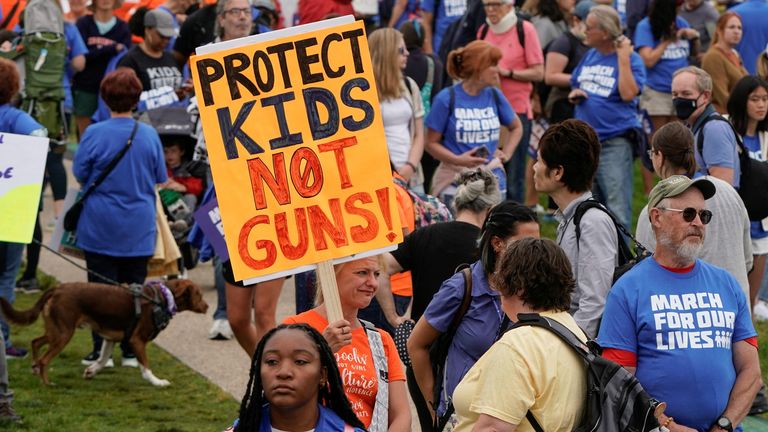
511, 74
413, 167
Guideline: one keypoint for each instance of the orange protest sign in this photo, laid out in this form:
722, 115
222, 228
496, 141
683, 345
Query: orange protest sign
297, 148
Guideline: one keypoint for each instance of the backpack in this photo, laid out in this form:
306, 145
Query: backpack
438, 351
627, 259
427, 209
615, 399
754, 174
45, 51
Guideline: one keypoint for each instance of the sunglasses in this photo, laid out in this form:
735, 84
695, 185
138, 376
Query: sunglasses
689, 214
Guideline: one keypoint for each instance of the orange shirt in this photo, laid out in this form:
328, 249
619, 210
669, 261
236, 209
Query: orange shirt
356, 366
401, 283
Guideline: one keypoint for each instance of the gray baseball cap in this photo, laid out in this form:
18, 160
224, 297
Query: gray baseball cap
677, 184
161, 21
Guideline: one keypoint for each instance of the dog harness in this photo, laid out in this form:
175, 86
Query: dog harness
163, 307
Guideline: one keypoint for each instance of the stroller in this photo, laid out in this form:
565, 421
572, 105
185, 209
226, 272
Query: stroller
175, 127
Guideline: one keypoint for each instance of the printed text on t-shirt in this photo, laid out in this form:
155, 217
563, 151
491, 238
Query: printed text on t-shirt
476, 125
597, 79
695, 321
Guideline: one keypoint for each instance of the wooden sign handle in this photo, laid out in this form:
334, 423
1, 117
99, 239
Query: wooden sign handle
327, 279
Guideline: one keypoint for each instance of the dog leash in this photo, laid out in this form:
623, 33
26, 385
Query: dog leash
100, 276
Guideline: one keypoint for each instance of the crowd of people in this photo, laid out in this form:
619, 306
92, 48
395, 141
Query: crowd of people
542, 115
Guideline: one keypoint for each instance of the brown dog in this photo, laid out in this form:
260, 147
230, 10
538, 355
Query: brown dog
109, 310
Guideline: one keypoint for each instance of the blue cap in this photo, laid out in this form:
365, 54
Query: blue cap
582, 9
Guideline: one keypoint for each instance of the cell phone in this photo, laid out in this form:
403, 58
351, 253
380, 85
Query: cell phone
482, 152
577, 99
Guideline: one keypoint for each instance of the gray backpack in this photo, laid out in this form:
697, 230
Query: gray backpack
615, 400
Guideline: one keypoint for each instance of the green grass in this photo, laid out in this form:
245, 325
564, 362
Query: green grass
117, 399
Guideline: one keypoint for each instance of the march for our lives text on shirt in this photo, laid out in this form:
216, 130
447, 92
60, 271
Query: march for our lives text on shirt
476, 125
691, 321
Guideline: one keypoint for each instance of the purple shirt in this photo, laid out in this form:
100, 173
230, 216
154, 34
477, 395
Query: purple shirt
477, 331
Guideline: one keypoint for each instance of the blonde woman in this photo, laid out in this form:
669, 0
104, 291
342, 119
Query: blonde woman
401, 108
367, 358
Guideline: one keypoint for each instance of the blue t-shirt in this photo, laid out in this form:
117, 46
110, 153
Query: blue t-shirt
621, 8
754, 15
752, 143
720, 147
675, 56
477, 331
119, 216
448, 12
598, 76
475, 121
682, 327
75, 47
16, 121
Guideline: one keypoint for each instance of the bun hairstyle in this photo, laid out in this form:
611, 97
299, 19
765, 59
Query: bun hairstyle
477, 191
468, 61
675, 143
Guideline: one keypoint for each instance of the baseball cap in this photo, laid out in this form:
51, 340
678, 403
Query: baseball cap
582, 9
677, 184
161, 21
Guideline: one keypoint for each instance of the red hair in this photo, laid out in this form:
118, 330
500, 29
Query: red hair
722, 22
470, 60
121, 90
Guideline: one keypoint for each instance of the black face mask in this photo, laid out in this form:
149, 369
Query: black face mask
685, 107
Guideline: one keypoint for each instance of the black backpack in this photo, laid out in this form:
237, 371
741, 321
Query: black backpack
754, 174
627, 259
615, 400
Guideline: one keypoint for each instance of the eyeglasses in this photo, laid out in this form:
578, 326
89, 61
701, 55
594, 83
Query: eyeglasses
492, 5
237, 11
689, 214
651, 152
402, 51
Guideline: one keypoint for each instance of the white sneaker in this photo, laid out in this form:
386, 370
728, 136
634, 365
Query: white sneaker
220, 330
760, 311
130, 362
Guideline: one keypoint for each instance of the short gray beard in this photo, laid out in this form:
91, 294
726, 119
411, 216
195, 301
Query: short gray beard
685, 252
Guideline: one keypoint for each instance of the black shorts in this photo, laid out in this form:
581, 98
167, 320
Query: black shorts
229, 275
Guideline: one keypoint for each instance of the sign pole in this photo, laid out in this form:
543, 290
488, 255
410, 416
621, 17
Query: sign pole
327, 279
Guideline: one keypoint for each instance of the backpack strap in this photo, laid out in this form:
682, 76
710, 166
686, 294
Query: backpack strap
700, 137
624, 251
483, 31
466, 271
430, 70
379, 419
565, 334
520, 31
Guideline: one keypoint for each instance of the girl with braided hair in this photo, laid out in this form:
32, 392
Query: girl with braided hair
294, 385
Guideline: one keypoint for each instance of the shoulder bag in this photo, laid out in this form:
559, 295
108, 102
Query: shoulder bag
72, 216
